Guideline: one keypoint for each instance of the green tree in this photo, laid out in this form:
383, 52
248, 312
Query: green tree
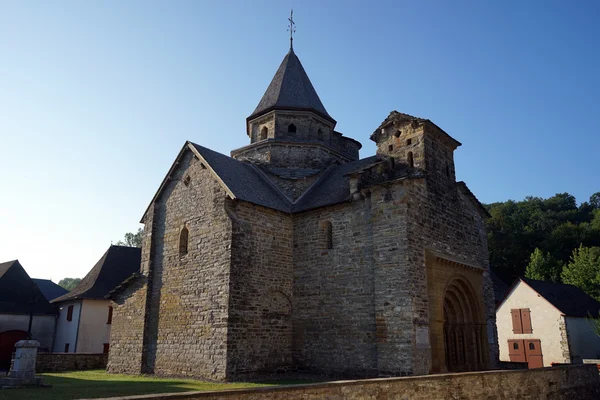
132, 239
583, 270
595, 200
69, 283
543, 267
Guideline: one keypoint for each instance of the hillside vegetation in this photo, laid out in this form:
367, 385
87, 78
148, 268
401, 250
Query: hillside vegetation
549, 239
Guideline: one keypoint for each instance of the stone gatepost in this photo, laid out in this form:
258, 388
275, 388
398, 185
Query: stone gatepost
22, 372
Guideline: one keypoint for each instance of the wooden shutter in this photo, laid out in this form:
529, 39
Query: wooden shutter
533, 351
516, 350
526, 320
516, 321
69, 314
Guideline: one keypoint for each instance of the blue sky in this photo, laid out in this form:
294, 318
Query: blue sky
97, 98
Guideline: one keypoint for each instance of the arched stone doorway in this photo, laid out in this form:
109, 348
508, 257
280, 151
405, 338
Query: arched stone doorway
464, 330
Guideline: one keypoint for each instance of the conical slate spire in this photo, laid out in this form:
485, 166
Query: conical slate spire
290, 89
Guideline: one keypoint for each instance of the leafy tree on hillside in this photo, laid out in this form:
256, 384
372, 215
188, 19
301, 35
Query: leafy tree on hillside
132, 239
69, 283
543, 267
555, 225
595, 200
583, 270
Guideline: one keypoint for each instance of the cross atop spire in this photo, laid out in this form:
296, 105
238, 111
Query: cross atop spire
291, 29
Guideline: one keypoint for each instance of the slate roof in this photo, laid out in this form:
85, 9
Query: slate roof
17, 290
333, 187
50, 289
245, 181
569, 299
290, 89
116, 265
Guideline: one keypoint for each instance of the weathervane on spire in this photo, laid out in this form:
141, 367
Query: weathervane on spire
292, 29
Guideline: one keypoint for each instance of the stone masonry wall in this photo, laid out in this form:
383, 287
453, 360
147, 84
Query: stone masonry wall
568, 382
187, 332
128, 344
442, 219
127, 330
54, 362
334, 321
260, 315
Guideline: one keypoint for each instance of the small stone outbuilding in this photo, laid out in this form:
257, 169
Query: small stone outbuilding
293, 254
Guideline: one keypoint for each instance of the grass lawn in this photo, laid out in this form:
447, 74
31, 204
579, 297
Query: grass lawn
90, 384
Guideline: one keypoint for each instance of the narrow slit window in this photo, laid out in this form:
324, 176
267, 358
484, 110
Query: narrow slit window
187, 180
447, 170
70, 313
183, 241
110, 312
320, 134
391, 147
410, 159
66, 347
328, 235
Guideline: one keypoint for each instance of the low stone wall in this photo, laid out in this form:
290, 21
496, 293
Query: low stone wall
566, 382
53, 362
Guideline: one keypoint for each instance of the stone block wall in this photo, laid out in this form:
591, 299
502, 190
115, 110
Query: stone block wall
568, 382
260, 309
187, 327
56, 362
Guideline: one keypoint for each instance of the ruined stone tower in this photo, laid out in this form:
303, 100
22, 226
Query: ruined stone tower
295, 255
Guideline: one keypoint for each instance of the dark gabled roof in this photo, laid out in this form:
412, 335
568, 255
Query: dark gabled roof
333, 187
570, 300
17, 290
290, 89
117, 264
50, 289
244, 181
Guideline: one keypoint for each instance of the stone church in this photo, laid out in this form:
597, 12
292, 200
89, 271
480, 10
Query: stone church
294, 255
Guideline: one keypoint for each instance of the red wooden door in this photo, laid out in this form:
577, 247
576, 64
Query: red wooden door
7, 346
533, 353
516, 350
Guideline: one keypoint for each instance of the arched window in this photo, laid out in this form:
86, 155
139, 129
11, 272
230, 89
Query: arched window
410, 159
328, 235
264, 133
291, 128
516, 346
320, 134
183, 241
531, 346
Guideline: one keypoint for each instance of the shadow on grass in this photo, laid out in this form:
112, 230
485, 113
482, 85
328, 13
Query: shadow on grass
72, 387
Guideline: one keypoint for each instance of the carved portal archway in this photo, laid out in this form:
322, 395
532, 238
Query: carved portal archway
464, 332
457, 318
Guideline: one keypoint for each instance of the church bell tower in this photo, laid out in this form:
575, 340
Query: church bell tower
291, 129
